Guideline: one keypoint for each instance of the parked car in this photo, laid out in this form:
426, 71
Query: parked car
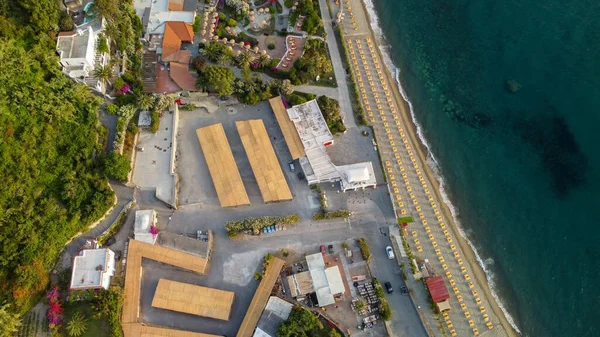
301, 175
390, 252
323, 250
404, 290
118, 255
110, 242
388, 287
292, 167
330, 249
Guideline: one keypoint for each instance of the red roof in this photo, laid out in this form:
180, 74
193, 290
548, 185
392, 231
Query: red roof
437, 289
175, 33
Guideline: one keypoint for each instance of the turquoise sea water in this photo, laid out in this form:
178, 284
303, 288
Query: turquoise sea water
521, 169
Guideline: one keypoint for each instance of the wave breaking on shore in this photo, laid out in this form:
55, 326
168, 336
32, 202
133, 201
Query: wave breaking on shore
385, 49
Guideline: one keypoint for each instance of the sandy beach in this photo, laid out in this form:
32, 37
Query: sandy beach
421, 151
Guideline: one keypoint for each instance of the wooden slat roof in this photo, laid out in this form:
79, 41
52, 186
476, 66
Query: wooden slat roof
221, 164
193, 299
138, 250
292, 139
264, 163
260, 299
137, 329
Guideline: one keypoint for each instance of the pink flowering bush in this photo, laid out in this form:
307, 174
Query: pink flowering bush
153, 230
56, 310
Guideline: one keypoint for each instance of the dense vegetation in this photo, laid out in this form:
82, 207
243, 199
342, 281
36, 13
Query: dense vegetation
234, 227
55, 184
330, 108
314, 62
302, 322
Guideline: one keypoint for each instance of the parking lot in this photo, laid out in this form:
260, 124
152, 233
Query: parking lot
233, 263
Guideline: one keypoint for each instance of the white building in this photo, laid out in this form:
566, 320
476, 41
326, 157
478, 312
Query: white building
92, 269
317, 165
78, 55
144, 220
326, 283
276, 312
76, 52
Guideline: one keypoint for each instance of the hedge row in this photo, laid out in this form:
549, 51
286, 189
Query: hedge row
341, 213
365, 251
236, 226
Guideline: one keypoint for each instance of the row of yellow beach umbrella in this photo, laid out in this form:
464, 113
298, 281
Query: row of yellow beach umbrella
407, 183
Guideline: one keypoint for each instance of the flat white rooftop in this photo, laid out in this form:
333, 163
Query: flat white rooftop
317, 164
327, 282
143, 221
89, 267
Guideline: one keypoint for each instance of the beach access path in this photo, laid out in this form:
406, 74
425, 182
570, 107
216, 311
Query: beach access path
415, 191
338, 68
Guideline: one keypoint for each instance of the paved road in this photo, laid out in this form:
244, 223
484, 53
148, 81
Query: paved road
124, 195
338, 68
318, 90
110, 121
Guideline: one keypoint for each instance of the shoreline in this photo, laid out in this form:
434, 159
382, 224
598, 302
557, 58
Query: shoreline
421, 150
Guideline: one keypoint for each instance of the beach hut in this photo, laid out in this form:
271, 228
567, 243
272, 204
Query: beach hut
232, 42
260, 10
241, 43
256, 50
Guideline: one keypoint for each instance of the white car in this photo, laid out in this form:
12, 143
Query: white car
390, 252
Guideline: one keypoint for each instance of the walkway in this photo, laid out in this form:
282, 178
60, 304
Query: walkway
338, 68
124, 195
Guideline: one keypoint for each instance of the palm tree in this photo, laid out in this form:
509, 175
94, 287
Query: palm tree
103, 73
244, 59
224, 59
264, 60
212, 51
145, 102
111, 31
77, 325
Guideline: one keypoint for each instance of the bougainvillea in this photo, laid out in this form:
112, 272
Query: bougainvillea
56, 309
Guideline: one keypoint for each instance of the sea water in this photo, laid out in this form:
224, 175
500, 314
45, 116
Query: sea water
506, 96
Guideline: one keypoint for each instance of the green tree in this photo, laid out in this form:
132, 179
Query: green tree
198, 63
296, 99
197, 24
65, 22
9, 321
244, 59
212, 51
103, 73
224, 59
231, 23
145, 102
77, 324
103, 45
301, 322
264, 60
43, 14
220, 79
109, 9
385, 311
117, 166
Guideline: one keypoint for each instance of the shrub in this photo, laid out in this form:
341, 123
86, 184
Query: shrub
197, 24
222, 17
234, 227
117, 166
385, 311
155, 123
271, 46
112, 109
341, 213
296, 99
365, 251
231, 23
